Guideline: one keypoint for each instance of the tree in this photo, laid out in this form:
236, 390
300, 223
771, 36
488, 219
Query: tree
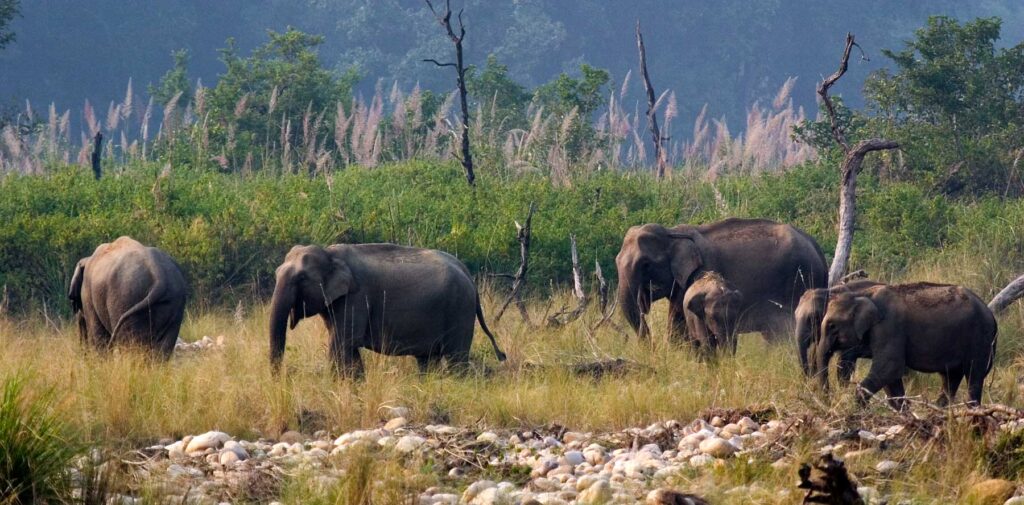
9, 9
954, 100
175, 82
491, 87
575, 100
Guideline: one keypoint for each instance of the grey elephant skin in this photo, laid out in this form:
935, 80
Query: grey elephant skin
807, 323
129, 294
932, 328
771, 263
712, 310
395, 300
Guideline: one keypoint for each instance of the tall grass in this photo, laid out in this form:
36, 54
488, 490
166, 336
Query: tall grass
36, 446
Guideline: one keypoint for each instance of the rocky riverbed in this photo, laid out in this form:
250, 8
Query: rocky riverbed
542, 466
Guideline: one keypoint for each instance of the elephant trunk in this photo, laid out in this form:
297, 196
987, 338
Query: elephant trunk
635, 303
282, 303
822, 356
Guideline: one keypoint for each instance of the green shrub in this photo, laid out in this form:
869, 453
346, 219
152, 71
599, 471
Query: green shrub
35, 449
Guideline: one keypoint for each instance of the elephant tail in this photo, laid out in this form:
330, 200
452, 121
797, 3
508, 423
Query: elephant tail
152, 297
483, 325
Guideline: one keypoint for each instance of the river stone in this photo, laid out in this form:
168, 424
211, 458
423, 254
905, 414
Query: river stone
290, 437
488, 437
598, 493
208, 440
670, 497
395, 423
717, 447
991, 492
475, 489
1016, 500
886, 466
573, 458
228, 457
409, 443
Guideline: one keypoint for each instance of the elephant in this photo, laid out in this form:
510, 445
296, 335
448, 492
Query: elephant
127, 293
808, 314
394, 300
771, 263
712, 310
931, 328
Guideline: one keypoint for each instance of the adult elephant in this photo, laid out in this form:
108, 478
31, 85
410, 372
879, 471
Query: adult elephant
808, 315
771, 263
127, 293
395, 300
931, 328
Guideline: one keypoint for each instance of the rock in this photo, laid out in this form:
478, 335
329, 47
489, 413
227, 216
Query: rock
598, 493
670, 497
175, 450
228, 457
701, 460
456, 473
1016, 500
395, 423
573, 436
491, 496
409, 443
573, 458
886, 466
868, 494
717, 447
279, 449
487, 436
208, 440
867, 436
393, 412
717, 422
854, 455
991, 492
475, 489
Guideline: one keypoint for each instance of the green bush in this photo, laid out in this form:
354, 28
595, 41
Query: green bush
35, 450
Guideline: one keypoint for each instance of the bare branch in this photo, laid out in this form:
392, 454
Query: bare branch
652, 105
837, 131
565, 317
519, 280
435, 62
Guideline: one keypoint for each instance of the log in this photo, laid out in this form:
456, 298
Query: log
1011, 293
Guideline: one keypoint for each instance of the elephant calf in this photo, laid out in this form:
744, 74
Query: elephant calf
808, 315
127, 293
933, 328
395, 300
712, 310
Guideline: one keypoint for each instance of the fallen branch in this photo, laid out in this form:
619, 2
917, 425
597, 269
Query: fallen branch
519, 279
565, 317
1011, 293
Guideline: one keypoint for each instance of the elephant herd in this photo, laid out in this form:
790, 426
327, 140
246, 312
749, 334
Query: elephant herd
721, 279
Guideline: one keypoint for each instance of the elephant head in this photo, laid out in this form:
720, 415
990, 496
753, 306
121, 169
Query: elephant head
309, 281
847, 321
717, 306
807, 315
655, 262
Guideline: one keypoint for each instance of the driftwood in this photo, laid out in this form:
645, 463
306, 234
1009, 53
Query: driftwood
565, 316
445, 20
851, 167
519, 279
1011, 293
826, 481
97, 151
853, 276
652, 103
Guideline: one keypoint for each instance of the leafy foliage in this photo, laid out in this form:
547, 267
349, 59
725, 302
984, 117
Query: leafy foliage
8, 10
175, 83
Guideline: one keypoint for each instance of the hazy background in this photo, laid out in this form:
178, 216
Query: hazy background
726, 53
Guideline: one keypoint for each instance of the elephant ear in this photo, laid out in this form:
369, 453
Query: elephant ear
75, 290
340, 281
695, 303
865, 316
686, 258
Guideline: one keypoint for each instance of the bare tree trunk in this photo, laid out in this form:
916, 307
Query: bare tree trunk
1011, 293
602, 286
564, 316
652, 101
97, 152
519, 279
460, 69
852, 163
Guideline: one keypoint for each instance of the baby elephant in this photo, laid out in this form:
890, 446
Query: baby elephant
127, 293
712, 310
399, 301
933, 328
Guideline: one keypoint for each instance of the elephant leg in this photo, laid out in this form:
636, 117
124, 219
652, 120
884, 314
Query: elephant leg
896, 394
427, 363
883, 373
677, 331
97, 334
976, 383
458, 362
950, 384
345, 359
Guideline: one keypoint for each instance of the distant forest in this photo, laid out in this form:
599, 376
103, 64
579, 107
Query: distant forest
727, 53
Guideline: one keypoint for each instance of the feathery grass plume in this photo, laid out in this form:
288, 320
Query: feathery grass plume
341, 126
90, 118
286, 146
416, 107
199, 98
28, 111
274, 95
65, 122
52, 132
38, 449
144, 128
782, 98
240, 105
128, 102
170, 121
625, 84
113, 117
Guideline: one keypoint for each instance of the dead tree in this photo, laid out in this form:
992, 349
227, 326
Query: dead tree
97, 151
852, 163
602, 286
652, 103
519, 279
445, 20
565, 316
1011, 293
